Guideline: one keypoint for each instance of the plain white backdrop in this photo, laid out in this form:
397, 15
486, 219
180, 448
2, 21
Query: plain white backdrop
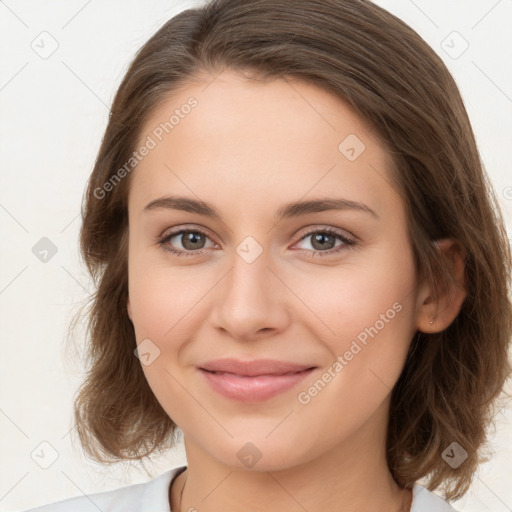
61, 63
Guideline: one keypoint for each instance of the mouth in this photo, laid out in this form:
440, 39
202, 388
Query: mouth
254, 387
253, 368
256, 375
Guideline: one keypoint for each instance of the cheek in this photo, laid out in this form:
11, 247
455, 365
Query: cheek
372, 315
341, 302
162, 297
162, 303
363, 314
166, 304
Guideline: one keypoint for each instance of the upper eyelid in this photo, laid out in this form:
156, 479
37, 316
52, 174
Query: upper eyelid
309, 230
183, 228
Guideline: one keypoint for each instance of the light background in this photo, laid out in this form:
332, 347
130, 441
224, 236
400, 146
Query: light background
53, 112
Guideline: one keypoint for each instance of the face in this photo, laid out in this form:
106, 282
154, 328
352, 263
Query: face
329, 288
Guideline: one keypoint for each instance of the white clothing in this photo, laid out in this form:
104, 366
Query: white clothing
153, 496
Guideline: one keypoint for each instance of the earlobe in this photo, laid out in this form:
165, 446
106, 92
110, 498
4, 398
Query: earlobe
430, 318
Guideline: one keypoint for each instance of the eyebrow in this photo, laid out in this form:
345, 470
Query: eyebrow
289, 210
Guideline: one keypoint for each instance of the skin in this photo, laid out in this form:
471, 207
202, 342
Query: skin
248, 148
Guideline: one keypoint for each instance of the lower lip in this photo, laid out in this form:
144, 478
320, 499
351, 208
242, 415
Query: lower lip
253, 389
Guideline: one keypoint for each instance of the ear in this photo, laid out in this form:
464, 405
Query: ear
429, 318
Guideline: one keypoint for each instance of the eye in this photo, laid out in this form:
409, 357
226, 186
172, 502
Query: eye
191, 240
323, 242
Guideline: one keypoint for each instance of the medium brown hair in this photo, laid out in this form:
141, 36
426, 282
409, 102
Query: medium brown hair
381, 67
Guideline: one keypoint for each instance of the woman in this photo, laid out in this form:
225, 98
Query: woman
300, 264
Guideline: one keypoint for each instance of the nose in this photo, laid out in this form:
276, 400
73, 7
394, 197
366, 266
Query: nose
251, 302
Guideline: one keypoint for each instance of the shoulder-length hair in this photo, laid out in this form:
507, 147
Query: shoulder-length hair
366, 56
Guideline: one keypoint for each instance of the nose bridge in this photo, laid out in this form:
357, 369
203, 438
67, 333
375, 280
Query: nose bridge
247, 286
249, 300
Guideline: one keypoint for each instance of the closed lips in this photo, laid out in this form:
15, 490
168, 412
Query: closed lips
254, 368
258, 374
253, 381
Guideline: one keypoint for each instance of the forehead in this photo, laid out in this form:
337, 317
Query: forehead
273, 140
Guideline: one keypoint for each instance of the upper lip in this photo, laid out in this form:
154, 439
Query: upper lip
255, 367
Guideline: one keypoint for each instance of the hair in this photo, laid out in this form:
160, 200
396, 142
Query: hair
384, 70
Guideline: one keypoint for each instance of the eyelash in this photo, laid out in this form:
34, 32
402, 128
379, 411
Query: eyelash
348, 243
